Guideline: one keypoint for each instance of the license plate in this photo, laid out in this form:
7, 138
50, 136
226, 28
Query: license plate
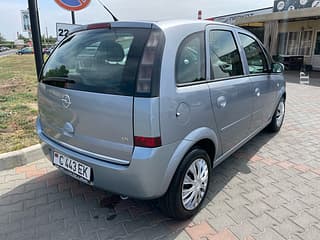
71, 165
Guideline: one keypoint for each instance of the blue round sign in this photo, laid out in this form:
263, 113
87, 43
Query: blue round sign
73, 5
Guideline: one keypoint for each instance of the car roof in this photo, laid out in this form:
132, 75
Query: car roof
165, 24
179, 22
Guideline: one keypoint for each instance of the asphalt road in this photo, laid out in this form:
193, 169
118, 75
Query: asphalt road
6, 53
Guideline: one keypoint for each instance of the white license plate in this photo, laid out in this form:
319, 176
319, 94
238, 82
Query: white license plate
71, 165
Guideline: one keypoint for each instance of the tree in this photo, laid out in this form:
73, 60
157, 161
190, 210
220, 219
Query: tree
20, 36
51, 40
2, 39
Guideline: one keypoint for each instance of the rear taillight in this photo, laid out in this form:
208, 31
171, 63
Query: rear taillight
147, 142
146, 68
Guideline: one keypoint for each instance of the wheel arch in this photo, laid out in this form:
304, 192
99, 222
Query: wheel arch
280, 94
208, 146
204, 138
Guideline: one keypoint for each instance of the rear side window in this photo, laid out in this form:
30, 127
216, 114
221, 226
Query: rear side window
101, 61
224, 55
256, 59
190, 60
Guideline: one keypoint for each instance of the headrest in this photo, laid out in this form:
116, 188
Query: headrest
113, 52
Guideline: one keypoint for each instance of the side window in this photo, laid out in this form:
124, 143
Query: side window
256, 59
190, 60
224, 55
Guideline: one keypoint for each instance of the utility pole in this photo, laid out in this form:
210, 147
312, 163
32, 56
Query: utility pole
36, 34
73, 17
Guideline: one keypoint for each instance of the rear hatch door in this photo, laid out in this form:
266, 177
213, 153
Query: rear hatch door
86, 92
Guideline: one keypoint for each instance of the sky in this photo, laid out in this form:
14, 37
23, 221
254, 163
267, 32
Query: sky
50, 13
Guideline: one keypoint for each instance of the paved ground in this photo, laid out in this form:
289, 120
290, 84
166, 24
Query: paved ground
268, 190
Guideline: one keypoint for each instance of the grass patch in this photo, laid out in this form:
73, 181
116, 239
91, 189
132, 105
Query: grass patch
18, 102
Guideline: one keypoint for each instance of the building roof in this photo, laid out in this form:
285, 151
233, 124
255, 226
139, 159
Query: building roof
306, 13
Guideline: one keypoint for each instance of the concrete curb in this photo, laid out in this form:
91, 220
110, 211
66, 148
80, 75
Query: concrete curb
21, 157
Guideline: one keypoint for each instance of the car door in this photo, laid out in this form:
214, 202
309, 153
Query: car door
185, 101
264, 85
230, 89
85, 93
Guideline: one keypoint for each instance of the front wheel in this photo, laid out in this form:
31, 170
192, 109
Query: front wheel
189, 186
278, 117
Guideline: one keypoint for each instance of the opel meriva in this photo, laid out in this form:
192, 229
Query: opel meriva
148, 109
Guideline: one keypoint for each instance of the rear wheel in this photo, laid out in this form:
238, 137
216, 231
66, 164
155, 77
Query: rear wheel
278, 117
189, 186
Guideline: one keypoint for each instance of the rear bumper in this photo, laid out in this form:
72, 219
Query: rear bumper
143, 178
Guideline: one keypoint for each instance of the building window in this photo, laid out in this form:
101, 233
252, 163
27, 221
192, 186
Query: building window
317, 47
306, 43
282, 46
295, 43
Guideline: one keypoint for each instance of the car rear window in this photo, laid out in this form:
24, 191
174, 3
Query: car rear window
100, 61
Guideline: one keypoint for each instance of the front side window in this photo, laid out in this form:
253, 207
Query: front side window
255, 57
190, 60
224, 55
100, 61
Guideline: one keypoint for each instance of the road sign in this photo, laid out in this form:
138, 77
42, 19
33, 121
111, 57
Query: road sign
25, 20
64, 29
73, 5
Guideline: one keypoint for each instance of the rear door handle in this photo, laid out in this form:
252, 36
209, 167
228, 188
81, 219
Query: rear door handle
221, 102
257, 92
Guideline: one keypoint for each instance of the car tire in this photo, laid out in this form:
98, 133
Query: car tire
172, 203
278, 117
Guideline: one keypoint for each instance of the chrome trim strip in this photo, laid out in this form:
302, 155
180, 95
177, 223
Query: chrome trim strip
90, 154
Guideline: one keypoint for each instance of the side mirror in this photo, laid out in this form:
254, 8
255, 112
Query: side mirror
277, 68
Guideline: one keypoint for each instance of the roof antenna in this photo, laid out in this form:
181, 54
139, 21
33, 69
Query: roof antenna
104, 6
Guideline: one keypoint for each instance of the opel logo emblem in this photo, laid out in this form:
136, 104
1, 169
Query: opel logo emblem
66, 102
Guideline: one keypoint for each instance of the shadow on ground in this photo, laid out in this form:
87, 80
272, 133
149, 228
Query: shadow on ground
55, 206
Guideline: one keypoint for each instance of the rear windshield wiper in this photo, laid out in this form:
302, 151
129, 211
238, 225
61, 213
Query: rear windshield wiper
58, 82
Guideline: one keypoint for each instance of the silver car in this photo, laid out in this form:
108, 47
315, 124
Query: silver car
148, 109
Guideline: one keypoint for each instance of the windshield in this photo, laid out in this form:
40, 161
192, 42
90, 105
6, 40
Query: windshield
101, 61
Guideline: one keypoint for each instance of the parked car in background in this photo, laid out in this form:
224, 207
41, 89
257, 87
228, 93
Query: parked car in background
26, 50
49, 49
46, 51
148, 109
2, 49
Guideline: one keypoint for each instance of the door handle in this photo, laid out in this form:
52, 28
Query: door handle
257, 92
221, 102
